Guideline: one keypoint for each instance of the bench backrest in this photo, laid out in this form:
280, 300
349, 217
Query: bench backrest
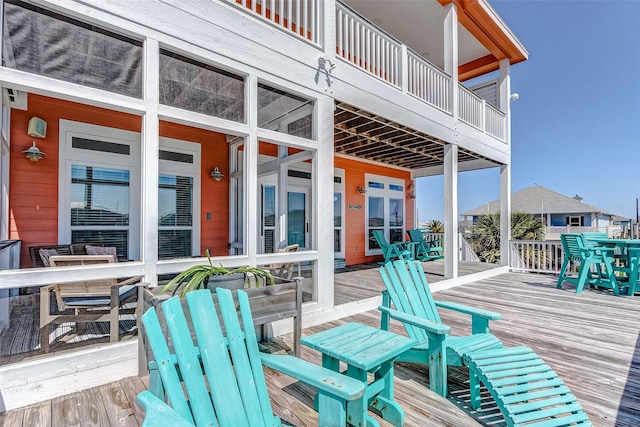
68, 249
220, 368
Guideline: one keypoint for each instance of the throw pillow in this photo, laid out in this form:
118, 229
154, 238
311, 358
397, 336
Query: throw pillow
45, 254
100, 250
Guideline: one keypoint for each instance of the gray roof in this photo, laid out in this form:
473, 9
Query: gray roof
538, 199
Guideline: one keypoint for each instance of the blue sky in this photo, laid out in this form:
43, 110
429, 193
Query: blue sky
576, 126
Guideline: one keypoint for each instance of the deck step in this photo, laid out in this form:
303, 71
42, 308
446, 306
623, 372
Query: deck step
527, 390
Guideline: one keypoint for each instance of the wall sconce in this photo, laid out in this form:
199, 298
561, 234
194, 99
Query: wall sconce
411, 193
33, 153
38, 129
361, 189
216, 174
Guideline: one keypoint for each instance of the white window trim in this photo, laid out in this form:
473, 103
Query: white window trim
69, 155
386, 194
185, 169
339, 188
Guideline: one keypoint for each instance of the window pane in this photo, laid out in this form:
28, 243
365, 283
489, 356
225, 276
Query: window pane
336, 240
376, 212
174, 243
337, 209
195, 86
373, 184
395, 187
396, 212
296, 219
49, 44
284, 112
99, 196
175, 201
373, 243
117, 238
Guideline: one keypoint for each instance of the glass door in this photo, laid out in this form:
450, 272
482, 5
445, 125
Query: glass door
298, 217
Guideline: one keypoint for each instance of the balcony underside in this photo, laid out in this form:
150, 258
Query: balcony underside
368, 136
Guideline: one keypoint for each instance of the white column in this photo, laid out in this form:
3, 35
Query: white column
451, 52
504, 95
149, 158
505, 213
251, 171
322, 224
451, 244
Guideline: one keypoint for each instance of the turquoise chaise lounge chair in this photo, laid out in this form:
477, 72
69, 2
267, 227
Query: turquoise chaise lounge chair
525, 388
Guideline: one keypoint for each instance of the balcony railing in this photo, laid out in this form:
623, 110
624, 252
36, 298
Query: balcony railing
301, 17
428, 83
362, 44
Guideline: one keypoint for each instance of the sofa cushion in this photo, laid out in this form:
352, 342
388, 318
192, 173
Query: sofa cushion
100, 250
45, 254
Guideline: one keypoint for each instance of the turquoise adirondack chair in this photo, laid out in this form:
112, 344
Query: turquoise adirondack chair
525, 388
216, 378
415, 307
424, 251
587, 255
393, 251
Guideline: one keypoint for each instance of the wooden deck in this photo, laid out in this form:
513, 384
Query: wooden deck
592, 340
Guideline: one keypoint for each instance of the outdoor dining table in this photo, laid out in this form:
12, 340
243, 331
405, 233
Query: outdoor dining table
623, 245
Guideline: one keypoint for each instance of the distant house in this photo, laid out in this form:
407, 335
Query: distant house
561, 214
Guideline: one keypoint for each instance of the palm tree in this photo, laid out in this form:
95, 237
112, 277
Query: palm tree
485, 234
435, 226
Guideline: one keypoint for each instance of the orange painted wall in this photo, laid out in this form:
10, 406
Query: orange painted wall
354, 221
33, 191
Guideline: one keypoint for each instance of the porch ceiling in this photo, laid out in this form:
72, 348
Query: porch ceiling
362, 134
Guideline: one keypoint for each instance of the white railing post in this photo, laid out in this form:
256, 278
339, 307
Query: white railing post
404, 68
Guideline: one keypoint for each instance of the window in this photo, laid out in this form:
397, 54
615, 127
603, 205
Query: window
202, 88
178, 201
42, 42
575, 221
385, 210
100, 206
285, 112
175, 216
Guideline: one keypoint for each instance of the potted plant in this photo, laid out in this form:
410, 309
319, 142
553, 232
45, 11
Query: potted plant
209, 276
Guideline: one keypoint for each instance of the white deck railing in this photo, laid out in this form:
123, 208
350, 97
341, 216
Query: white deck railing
428, 82
495, 122
366, 46
300, 17
470, 107
540, 256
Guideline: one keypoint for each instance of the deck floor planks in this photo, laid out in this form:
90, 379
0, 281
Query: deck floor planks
592, 341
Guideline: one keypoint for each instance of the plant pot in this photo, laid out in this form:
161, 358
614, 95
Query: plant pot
227, 281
